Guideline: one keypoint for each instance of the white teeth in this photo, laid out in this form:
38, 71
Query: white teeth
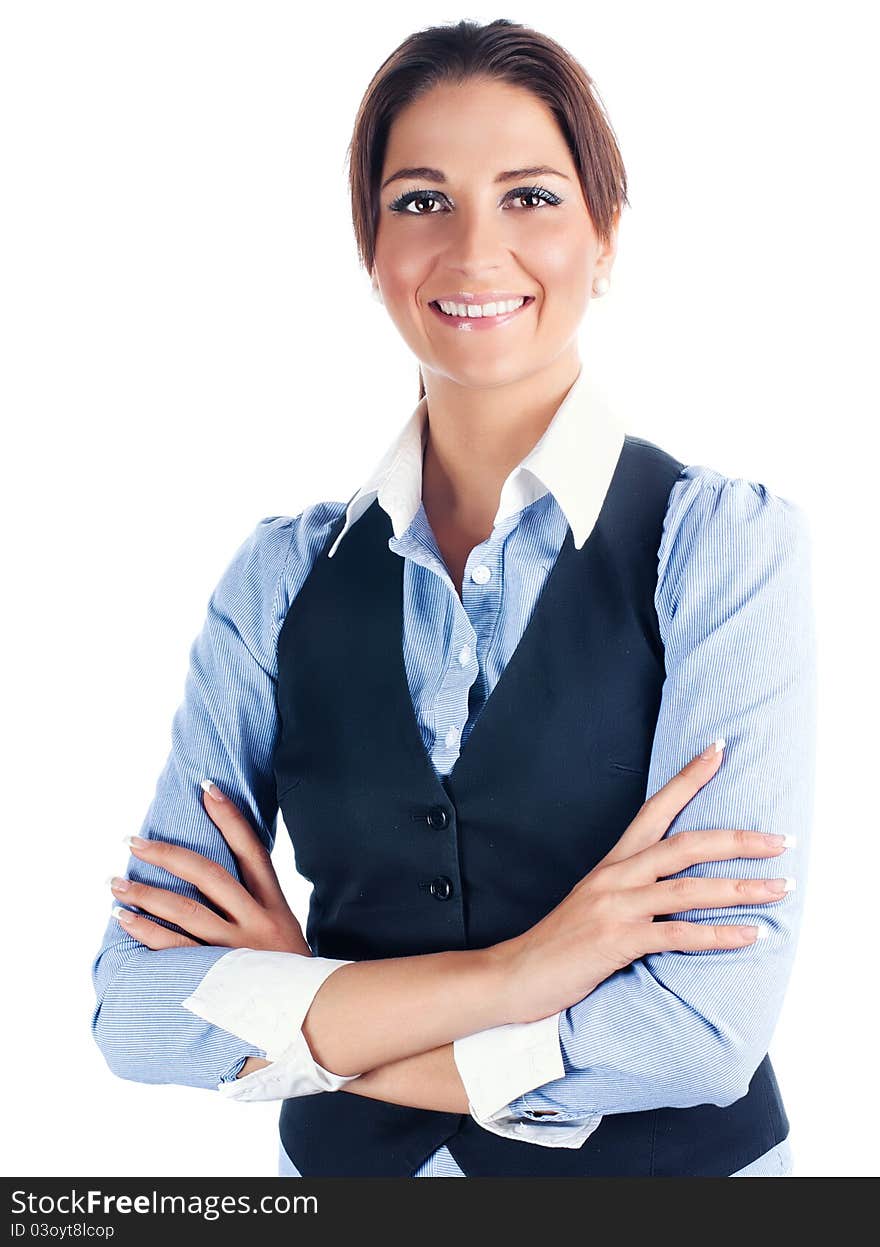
471, 310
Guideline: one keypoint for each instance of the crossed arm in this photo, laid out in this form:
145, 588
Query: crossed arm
672, 1028
426, 1080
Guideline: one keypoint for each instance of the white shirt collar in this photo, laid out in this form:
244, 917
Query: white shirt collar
574, 459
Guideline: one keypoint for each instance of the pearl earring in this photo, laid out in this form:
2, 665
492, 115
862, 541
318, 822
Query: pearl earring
377, 294
600, 286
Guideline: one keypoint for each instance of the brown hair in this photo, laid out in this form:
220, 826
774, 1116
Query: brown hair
507, 52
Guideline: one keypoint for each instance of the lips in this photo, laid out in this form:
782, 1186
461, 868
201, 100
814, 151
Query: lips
471, 323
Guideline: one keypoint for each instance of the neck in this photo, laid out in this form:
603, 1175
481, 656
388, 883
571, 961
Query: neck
477, 436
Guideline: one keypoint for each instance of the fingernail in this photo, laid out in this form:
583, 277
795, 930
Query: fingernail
782, 885
134, 842
124, 915
212, 790
714, 748
116, 883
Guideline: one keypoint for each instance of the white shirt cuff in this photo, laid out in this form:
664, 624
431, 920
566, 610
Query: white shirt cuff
502, 1063
547, 1132
295, 1072
262, 997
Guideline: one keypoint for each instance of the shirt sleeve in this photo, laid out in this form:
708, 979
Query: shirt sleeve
497, 1064
263, 997
225, 730
676, 1029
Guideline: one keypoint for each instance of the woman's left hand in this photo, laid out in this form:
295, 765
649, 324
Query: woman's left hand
257, 913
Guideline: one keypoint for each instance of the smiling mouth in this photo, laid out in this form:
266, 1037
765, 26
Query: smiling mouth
480, 322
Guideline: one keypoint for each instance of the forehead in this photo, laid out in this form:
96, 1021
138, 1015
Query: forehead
476, 126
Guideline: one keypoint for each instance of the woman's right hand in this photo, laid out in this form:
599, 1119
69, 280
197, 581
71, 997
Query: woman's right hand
607, 920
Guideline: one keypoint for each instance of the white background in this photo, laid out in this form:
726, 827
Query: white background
189, 345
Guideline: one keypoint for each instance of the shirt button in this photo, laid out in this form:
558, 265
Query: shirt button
464, 655
481, 574
451, 737
441, 888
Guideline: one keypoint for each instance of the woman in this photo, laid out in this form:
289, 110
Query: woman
483, 988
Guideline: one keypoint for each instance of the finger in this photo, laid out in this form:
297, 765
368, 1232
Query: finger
214, 881
184, 911
252, 857
672, 896
149, 933
683, 936
653, 819
667, 857
688, 848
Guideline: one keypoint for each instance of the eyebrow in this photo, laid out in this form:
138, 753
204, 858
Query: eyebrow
437, 175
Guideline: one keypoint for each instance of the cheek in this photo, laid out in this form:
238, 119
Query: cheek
402, 283
402, 260
404, 287
562, 260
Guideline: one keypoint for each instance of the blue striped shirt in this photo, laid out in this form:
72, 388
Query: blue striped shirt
734, 606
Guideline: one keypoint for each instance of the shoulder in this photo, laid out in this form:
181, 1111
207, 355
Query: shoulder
706, 501
284, 547
722, 529
272, 562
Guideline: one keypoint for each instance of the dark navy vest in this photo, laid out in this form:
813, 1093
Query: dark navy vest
554, 769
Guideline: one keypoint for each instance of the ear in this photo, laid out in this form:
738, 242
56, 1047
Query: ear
607, 252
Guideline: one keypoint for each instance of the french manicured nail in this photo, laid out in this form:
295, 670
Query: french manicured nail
212, 790
782, 885
134, 842
711, 750
116, 883
124, 915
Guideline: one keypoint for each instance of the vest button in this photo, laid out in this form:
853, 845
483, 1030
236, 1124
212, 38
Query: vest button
437, 817
441, 888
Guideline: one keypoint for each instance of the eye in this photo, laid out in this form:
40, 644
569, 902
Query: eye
402, 204
413, 197
535, 192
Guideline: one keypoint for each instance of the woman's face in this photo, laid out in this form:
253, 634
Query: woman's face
478, 218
